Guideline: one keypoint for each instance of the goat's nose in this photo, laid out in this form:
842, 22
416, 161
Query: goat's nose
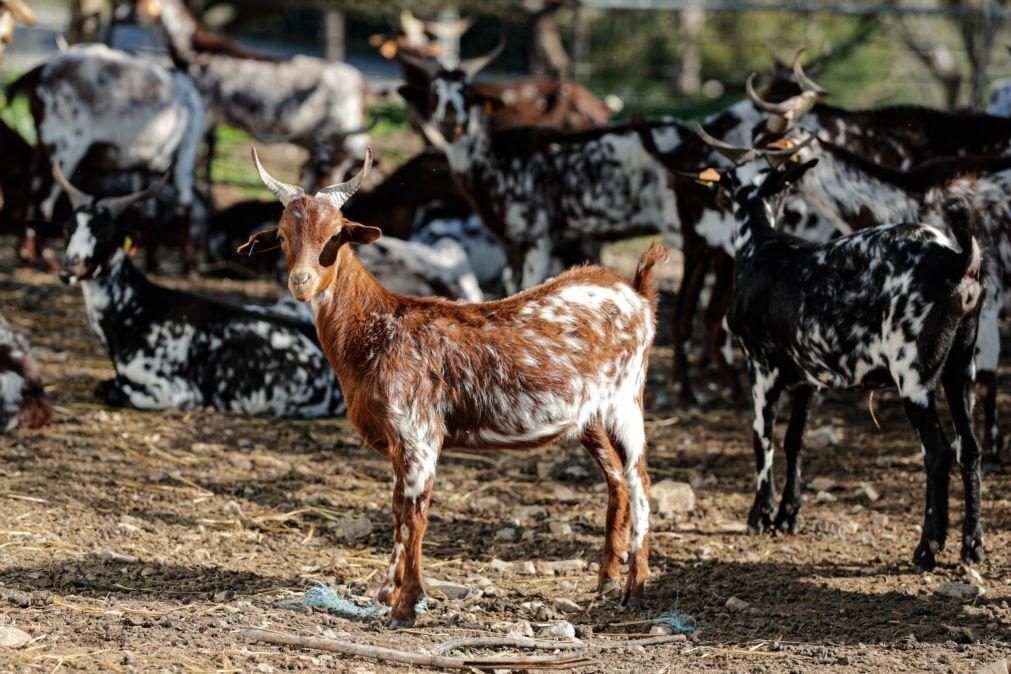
300, 277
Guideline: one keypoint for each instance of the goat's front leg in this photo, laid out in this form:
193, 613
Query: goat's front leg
765, 390
793, 445
412, 492
617, 523
987, 360
937, 457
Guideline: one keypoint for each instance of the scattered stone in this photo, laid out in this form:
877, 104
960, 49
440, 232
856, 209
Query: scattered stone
661, 629
525, 568
887, 461
560, 629
353, 528
559, 528
529, 513
867, 489
734, 605
223, 596
998, 667
964, 635
563, 494
561, 566
507, 534
566, 605
576, 472
113, 556
821, 484
521, 629
544, 469
959, 590
825, 497
446, 588
823, 436
12, 637
234, 509
670, 497
484, 504
972, 575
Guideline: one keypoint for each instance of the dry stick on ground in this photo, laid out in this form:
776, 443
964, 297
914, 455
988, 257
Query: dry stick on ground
421, 659
508, 642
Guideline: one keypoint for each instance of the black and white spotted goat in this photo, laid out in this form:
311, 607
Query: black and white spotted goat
895, 305
23, 401
137, 115
172, 349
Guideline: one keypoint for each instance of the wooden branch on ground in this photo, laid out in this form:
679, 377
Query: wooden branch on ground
420, 659
508, 642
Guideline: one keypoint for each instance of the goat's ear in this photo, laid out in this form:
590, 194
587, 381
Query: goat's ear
260, 242
796, 171
415, 96
351, 232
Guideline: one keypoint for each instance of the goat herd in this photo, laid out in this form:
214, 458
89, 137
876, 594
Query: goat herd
849, 249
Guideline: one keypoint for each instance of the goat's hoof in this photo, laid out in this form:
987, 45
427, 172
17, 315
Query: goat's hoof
608, 588
396, 623
787, 522
923, 558
632, 602
759, 524
972, 549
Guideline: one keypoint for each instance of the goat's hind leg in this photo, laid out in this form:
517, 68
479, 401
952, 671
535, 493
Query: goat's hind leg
627, 434
617, 524
766, 390
958, 387
937, 458
793, 445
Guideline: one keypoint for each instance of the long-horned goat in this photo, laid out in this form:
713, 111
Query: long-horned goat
895, 305
172, 349
23, 401
565, 359
134, 114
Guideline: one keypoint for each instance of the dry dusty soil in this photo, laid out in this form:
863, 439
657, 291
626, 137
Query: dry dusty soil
138, 541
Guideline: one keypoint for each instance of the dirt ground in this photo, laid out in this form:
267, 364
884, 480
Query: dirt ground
137, 541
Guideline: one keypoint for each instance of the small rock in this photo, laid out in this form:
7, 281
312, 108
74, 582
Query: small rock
998, 667
113, 556
563, 494
825, 497
446, 588
129, 529
559, 528
525, 568
12, 637
265, 668
234, 509
823, 436
521, 629
661, 629
544, 469
561, 566
867, 489
670, 497
734, 605
485, 504
821, 484
560, 629
500, 566
887, 461
529, 513
224, 595
566, 605
507, 534
353, 528
972, 575
959, 590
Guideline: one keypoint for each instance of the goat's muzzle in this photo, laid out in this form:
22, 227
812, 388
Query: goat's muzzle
302, 283
72, 270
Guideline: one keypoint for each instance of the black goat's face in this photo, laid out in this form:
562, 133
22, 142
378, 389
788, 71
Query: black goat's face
449, 95
92, 239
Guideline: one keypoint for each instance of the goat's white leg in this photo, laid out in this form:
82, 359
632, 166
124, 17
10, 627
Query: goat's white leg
937, 457
765, 390
987, 358
414, 472
627, 433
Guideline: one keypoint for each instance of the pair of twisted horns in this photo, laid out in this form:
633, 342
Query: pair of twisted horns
115, 205
775, 153
414, 27
470, 67
337, 194
788, 112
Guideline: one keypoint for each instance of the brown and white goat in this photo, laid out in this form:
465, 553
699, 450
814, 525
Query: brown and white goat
565, 359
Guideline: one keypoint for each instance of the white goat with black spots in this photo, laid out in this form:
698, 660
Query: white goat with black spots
892, 305
23, 401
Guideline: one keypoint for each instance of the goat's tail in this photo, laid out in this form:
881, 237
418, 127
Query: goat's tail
961, 220
642, 282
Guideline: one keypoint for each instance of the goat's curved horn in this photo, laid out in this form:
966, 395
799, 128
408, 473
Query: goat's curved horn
116, 205
761, 103
449, 29
341, 192
78, 199
471, 67
805, 82
410, 24
22, 12
283, 191
429, 68
738, 155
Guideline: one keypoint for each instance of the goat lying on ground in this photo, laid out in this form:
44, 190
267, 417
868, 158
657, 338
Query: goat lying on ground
172, 349
892, 305
565, 359
23, 401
